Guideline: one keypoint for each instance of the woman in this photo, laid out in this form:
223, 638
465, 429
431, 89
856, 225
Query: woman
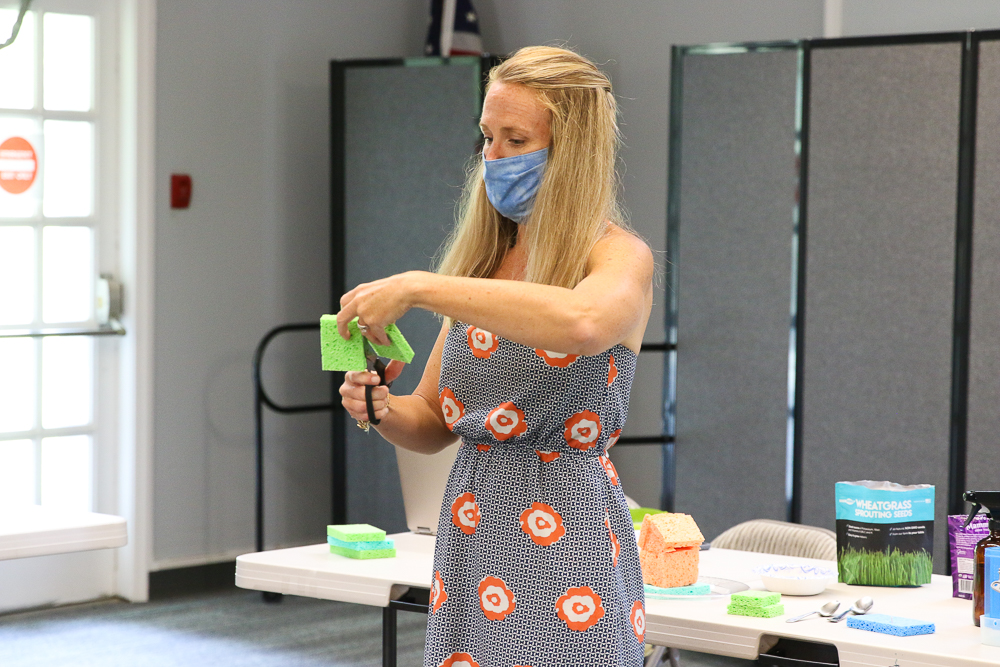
545, 297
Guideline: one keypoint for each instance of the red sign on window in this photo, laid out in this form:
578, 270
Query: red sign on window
18, 165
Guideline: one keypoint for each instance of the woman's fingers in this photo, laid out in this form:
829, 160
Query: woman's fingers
352, 394
345, 315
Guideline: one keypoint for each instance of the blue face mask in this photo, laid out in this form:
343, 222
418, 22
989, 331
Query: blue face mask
512, 182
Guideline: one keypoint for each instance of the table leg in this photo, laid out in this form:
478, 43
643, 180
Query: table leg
388, 637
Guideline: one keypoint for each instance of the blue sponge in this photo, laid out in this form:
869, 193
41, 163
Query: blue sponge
890, 625
360, 546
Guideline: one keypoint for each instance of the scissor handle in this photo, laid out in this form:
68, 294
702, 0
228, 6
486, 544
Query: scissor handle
379, 367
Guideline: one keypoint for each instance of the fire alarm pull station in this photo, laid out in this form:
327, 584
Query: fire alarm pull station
180, 190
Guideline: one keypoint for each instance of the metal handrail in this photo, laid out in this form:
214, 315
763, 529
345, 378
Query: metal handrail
262, 398
113, 329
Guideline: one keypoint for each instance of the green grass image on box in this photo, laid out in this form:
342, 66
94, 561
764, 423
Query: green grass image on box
356, 532
363, 554
891, 567
349, 355
769, 611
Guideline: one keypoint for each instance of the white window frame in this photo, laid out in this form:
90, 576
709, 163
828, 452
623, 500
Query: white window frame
125, 199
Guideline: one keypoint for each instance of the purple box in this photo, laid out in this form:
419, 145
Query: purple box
962, 545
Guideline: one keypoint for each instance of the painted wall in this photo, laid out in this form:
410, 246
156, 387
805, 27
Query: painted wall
242, 106
885, 17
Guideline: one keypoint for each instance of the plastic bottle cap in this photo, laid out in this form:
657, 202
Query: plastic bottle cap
989, 628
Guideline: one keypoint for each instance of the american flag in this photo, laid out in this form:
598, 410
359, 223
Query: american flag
454, 29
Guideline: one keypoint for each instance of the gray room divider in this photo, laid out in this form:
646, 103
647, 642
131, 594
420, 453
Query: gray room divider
894, 274
880, 267
733, 256
402, 131
984, 351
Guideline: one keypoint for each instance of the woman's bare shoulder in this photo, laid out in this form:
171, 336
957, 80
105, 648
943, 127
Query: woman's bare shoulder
621, 244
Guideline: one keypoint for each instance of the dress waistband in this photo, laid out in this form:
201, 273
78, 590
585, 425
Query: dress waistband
544, 452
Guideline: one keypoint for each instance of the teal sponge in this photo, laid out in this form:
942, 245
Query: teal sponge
769, 611
349, 355
356, 532
363, 554
694, 589
360, 546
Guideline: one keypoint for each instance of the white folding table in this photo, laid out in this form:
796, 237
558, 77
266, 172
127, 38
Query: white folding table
693, 624
42, 531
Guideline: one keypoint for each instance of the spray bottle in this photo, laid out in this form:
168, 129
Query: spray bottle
991, 501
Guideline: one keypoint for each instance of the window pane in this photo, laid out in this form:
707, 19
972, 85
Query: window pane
17, 473
69, 169
67, 381
68, 63
17, 384
17, 62
66, 472
17, 271
20, 158
67, 274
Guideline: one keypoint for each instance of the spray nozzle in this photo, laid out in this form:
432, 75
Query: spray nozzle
980, 499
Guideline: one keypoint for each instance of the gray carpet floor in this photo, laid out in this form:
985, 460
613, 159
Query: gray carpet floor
233, 628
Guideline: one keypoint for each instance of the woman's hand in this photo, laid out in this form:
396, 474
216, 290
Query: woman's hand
352, 392
377, 304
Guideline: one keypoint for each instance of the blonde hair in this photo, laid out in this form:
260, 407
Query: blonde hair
578, 194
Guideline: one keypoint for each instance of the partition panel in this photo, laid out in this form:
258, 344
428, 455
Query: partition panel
880, 266
983, 453
733, 257
409, 127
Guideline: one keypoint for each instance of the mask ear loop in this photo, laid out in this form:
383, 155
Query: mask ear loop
379, 367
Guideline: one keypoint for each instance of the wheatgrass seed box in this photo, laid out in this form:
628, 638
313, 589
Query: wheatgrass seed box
885, 533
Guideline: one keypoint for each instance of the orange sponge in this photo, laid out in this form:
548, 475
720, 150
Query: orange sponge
669, 546
670, 569
668, 530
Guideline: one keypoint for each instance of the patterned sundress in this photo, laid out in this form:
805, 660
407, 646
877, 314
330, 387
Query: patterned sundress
536, 562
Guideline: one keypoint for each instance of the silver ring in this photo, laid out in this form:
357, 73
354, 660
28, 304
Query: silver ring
363, 328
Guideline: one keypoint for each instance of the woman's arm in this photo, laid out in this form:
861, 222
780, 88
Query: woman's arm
413, 422
601, 311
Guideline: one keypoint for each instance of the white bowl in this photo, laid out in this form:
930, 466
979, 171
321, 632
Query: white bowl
796, 579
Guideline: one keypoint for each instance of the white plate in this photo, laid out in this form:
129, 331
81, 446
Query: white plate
796, 579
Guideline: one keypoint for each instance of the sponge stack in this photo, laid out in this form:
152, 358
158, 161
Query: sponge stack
360, 541
668, 550
762, 604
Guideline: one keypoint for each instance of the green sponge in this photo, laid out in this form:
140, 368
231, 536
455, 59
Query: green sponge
356, 532
639, 512
363, 554
769, 611
349, 355
754, 598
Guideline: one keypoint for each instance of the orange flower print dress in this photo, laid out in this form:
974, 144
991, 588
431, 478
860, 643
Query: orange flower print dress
536, 562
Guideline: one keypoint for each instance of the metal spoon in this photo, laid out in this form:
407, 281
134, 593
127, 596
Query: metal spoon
826, 611
862, 606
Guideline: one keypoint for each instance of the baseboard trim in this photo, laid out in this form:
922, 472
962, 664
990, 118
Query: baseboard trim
192, 580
